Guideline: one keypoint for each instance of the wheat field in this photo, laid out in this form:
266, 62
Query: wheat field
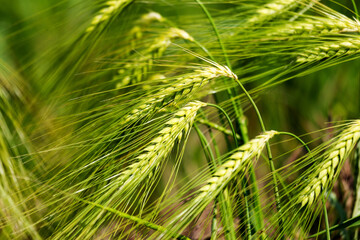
179, 119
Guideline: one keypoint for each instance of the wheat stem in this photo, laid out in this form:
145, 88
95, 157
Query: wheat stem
271, 10
223, 198
326, 217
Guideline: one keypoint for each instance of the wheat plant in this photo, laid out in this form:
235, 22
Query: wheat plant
171, 119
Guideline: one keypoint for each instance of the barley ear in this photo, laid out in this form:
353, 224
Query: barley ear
236, 163
331, 49
331, 164
271, 10
162, 144
183, 87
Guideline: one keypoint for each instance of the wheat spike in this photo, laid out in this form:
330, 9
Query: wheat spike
333, 161
112, 8
340, 48
144, 21
144, 63
271, 10
230, 168
161, 145
319, 26
234, 163
122, 185
184, 86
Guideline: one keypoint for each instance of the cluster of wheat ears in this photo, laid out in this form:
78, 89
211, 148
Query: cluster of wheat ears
127, 119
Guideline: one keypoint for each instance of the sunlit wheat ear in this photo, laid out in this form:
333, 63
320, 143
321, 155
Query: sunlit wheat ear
272, 10
334, 158
317, 26
161, 145
112, 8
331, 49
228, 170
181, 89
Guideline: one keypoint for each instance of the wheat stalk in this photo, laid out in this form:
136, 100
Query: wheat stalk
333, 161
340, 48
181, 89
229, 169
112, 8
234, 164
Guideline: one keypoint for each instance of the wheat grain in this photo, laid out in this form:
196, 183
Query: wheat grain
183, 86
112, 8
333, 161
339, 48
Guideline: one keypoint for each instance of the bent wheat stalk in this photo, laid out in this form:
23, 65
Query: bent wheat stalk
332, 163
228, 170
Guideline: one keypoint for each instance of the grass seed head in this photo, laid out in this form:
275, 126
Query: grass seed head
334, 157
339, 48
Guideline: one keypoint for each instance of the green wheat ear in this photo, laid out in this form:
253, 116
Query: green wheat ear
335, 156
233, 165
181, 89
160, 146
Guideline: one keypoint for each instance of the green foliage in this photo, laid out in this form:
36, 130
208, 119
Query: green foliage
103, 135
